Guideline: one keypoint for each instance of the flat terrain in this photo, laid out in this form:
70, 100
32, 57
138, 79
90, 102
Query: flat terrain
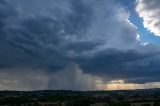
147, 97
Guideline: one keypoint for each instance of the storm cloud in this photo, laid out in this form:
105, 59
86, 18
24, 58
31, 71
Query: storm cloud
94, 35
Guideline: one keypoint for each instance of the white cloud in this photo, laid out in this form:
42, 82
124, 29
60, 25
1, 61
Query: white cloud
149, 11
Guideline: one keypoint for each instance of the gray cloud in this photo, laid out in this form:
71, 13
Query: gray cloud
22, 79
72, 78
69, 78
131, 66
95, 35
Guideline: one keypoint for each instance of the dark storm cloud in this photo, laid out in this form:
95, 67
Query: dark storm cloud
96, 35
144, 69
39, 39
131, 65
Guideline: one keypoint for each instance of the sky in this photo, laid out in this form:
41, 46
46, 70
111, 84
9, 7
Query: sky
79, 44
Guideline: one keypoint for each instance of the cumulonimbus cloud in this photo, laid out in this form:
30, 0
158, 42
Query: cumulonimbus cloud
95, 35
149, 11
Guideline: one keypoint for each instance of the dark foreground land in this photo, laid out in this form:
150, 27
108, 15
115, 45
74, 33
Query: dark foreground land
150, 97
